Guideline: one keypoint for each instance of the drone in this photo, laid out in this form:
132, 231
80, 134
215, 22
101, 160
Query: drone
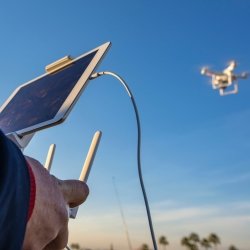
222, 80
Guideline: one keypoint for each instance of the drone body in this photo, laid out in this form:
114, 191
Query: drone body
222, 80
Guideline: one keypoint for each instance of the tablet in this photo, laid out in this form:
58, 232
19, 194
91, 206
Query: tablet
48, 99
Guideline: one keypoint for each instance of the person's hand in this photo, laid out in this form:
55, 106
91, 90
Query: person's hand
47, 229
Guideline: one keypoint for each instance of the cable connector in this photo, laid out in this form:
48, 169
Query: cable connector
96, 75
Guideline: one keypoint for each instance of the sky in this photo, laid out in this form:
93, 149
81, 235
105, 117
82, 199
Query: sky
195, 143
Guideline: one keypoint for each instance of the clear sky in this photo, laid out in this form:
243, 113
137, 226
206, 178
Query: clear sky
195, 144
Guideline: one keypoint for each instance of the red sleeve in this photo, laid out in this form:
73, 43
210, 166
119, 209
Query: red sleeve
32, 191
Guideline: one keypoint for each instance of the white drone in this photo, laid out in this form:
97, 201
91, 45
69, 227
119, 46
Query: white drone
222, 80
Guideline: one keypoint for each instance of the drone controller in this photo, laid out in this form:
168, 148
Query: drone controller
47, 101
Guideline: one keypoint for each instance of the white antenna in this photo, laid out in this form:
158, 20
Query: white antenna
50, 157
87, 165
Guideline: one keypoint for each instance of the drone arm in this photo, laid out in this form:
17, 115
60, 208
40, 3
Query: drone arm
243, 75
230, 68
207, 72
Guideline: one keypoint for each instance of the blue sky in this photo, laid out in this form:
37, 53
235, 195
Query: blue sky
195, 145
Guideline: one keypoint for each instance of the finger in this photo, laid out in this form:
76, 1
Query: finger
60, 242
74, 192
33, 161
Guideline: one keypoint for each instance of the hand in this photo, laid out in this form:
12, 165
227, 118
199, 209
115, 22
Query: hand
47, 229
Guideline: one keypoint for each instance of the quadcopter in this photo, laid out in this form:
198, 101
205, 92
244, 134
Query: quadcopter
222, 80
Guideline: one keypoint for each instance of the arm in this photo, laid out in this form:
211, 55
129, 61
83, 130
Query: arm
14, 195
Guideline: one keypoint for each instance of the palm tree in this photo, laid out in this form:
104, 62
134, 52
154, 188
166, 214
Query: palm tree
194, 239
144, 247
205, 243
185, 242
194, 247
232, 247
75, 246
214, 239
164, 242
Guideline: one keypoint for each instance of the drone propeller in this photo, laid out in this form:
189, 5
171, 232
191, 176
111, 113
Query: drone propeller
230, 67
204, 70
232, 63
244, 75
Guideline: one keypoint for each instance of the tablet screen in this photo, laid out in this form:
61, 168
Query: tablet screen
40, 100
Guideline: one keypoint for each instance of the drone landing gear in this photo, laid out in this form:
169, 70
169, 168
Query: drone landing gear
223, 91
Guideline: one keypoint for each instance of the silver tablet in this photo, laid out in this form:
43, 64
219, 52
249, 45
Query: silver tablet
48, 99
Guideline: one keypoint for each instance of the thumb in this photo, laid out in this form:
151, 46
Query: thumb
74, 192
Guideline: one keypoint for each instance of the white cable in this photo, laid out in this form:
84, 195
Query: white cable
96, 75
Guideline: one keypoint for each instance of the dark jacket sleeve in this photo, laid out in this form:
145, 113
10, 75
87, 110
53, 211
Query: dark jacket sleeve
14, 195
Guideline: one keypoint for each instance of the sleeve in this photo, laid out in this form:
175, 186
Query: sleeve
14, 195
